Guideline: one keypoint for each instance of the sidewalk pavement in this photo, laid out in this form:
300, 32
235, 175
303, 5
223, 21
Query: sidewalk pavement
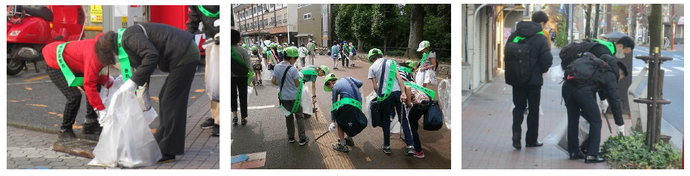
32, 149
486, 131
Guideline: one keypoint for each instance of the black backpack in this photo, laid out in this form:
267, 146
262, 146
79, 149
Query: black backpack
518, 62
236, 67
584, 70
574, 51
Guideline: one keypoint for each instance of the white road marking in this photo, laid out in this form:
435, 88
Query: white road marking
680, 68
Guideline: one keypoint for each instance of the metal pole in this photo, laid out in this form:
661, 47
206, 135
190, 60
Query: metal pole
673, 26
570, 23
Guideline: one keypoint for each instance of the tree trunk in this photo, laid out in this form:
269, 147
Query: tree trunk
385, 42
416, 30
596, 21
359, 46
608, 19
588, 20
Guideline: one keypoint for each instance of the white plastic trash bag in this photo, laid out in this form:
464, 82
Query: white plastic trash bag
556, 73
395, 124
126, 139
559, 135
307, 106
212, 70
365, 106
444, 100
422, 76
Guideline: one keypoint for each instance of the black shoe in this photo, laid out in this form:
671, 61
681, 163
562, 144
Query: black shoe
516, 141
537, 144
67, 133
307, 116
576, 156
166, 159
92, 128
303, 141
216, 130
349, 141
234, 120
594, 159
208, 123
244, 121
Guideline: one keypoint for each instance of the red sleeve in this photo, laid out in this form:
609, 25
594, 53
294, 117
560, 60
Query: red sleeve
91, 78
49, 52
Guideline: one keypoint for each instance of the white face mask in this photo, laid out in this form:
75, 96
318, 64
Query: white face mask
620, 54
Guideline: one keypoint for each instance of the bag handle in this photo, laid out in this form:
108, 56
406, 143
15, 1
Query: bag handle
282, 82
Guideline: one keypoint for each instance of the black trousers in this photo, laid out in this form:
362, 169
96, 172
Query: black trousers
239, 86
415, 115
344, 61
73, 96
174, 97
584, 105
522, 96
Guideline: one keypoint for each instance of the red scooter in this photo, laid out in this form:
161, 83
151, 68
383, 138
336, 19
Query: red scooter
29, 29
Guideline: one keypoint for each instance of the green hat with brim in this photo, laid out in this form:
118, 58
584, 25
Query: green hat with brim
291, 52
325, 69
423, 45
328, 78
373, 52
273, 45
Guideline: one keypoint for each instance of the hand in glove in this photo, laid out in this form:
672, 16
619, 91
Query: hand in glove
621, 129
604, 105
331, 127
129, 85
101, 117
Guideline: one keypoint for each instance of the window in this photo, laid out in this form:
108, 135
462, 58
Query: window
303, 5
306, 16
285, 18
279, 17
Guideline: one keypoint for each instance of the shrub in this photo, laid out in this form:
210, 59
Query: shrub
631, 152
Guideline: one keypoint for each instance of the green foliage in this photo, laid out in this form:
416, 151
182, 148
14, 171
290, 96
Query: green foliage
384, 20
562, 37
396, 53
343, 20
361, 26
631, 152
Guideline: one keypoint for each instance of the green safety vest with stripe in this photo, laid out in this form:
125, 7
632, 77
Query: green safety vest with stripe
610, 45
207, 13
431, 93
390, 80
72, 81
298, 98
122, 56
518, 38
237, 58
347, 101
424, 57
405, 69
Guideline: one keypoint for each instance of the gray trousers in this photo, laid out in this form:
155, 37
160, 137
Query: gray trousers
290, 120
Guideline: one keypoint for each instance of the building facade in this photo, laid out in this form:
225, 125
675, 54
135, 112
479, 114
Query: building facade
313, 20
258, 22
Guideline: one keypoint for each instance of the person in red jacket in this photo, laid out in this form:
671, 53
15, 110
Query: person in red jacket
82, 61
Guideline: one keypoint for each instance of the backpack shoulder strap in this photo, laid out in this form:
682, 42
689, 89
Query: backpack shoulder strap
383, 73
282, 82
354, 89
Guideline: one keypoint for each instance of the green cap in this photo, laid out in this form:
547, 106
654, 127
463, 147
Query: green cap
373, 52
328, 78
273, 45
324, 68
291, 52
423, 45
280, 46
244, 45
411, 63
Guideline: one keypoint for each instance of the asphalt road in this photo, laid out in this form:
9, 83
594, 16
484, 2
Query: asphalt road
33, 101
266, 132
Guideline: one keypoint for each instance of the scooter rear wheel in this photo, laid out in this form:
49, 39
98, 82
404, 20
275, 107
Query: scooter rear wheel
15, 66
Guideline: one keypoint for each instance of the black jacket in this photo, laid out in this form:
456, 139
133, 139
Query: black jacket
539, 49
195, 16
606, 85
164, 48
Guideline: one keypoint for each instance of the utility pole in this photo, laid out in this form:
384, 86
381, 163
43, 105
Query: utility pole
570, 23
588, 21
673, 25
608, 19
596, 21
